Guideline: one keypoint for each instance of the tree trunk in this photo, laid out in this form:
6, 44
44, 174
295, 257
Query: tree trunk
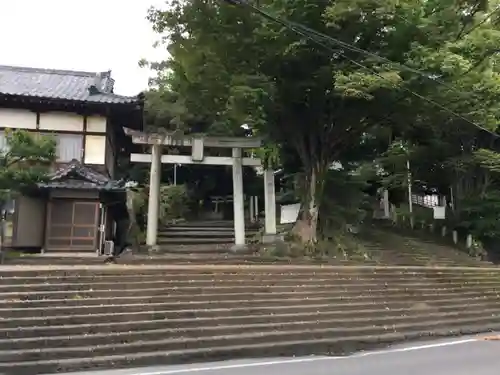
134, 231
306, 227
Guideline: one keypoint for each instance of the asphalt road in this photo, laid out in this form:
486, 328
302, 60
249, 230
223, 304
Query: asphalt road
464, 356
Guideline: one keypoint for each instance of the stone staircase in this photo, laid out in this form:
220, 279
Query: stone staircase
200, 236
379, 247
385, 246
55, 319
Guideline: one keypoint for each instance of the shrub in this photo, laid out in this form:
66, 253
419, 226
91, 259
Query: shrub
174, 203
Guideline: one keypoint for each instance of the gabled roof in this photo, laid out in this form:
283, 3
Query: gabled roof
75, 175
60, 84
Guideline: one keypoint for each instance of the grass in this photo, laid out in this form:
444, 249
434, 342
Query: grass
341, 246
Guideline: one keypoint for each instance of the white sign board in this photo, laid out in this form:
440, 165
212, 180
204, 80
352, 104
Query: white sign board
439, 212
289, 213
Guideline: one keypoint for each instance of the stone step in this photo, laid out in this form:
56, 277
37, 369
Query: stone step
219, 308
387, 240
197, 233
154, 282
343, 326
208, 300
261, 278
230, 272
239, 339
205, 224
179, 287
176, 228
167, 254
74, 318
194, 240
182, 254
398, 257
141, 289
161, 295
204, 250
363, 314
327, 346
206, 229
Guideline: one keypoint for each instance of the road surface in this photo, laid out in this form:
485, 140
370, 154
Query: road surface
463, 356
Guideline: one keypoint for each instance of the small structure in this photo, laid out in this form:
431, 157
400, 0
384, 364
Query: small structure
197, 144
77, 211
86, 117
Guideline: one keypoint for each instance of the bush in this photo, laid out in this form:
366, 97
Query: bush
345, 203
174, 203
479, 215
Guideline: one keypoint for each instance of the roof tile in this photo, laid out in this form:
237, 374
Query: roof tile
75, 167
75, 175
60, 84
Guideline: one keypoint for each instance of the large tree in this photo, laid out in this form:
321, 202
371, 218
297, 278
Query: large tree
423, 69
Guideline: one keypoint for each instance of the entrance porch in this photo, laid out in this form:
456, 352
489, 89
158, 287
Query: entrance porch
68, 213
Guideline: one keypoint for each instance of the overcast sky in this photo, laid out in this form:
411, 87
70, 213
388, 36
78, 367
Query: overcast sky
89, 35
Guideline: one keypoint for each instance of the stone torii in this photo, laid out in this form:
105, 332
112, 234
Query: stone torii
197, 144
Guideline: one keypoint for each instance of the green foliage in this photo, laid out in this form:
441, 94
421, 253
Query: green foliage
487, 159
269, 154
340, 245
25, 161
345, 202
173, 203
480, 196
479, 215
228, 66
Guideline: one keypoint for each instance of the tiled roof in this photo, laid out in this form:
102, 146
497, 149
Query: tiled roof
60, 84
74, 167
74, 175
80, 185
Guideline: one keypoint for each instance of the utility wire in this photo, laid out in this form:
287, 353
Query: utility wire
488, 16
399, 65
319, 39
348, 46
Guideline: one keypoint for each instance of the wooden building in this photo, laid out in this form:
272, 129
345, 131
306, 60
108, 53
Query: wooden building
69, 213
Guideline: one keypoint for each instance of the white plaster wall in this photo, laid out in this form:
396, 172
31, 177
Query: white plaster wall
96, 124
95, 149
17, 119
61, 121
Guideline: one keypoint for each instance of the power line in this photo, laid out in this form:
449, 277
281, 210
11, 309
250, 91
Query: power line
488, 16
306, 32
348, 46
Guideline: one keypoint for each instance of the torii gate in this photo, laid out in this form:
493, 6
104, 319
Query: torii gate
197, 144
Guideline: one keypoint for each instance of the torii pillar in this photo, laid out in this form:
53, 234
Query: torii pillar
238, 201
154, 197
270, 202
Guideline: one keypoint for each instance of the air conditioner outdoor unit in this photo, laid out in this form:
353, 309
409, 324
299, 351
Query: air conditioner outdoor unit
108, 248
